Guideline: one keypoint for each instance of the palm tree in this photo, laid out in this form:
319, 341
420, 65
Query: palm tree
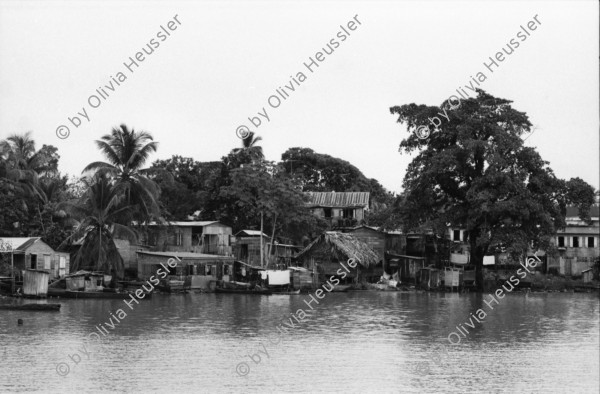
20, 163
97, 212
249, 145
127, 151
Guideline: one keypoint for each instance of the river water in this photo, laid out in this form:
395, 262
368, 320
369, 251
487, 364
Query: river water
351, 342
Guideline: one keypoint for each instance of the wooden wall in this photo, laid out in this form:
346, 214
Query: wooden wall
41, 249
375, 239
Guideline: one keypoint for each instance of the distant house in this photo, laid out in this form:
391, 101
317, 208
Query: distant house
382, 242
324, 254
340, 209
33, 253
207, 237
578, 243
246, 248
201, 269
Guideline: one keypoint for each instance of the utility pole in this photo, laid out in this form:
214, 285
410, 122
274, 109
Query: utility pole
12, 271
261, 239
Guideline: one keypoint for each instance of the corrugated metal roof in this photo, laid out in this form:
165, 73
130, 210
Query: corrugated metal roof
339, 199
187, 255
19, 244
184, 224
251, 233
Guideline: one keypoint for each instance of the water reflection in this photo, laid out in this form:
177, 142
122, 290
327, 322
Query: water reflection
353, 342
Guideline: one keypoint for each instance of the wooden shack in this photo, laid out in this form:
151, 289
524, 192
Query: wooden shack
430, 278
35, 283
451, 278
324, 254
246, 248
207, 237
86, 281
407, 267
372, 237
301, 278
200, 269
34, 254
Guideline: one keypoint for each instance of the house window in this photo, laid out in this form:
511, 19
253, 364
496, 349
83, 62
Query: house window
33, 261
327, 212
561, 242
348, 213
590, 242
225, 270
456, 235
208, 270
47, 261
179, 240
575, 242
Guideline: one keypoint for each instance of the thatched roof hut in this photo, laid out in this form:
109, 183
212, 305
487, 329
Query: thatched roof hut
341, 246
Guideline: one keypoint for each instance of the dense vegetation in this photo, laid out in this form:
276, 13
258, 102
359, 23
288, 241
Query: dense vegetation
242, 190
474, 172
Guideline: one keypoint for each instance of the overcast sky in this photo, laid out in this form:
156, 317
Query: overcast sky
225, 59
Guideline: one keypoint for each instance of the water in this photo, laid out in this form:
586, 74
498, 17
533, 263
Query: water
352, 342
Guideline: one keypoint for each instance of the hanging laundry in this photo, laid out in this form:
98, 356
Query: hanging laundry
489, 260
279, 277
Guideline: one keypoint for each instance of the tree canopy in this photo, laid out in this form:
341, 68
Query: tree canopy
474, 172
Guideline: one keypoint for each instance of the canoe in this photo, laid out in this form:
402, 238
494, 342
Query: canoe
91, 294
341, 288
31, 307
242, 291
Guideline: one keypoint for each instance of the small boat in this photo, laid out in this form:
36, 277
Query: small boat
111, 295
174, 285
294, 292
341, 288
243, 291
31, 307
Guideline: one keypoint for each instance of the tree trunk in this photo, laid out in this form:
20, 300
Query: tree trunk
41, 219
476, 258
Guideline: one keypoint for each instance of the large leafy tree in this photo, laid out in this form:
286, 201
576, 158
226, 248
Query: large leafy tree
474, 172
223, 206
127, 151
185, 185
265, 194
319, 172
